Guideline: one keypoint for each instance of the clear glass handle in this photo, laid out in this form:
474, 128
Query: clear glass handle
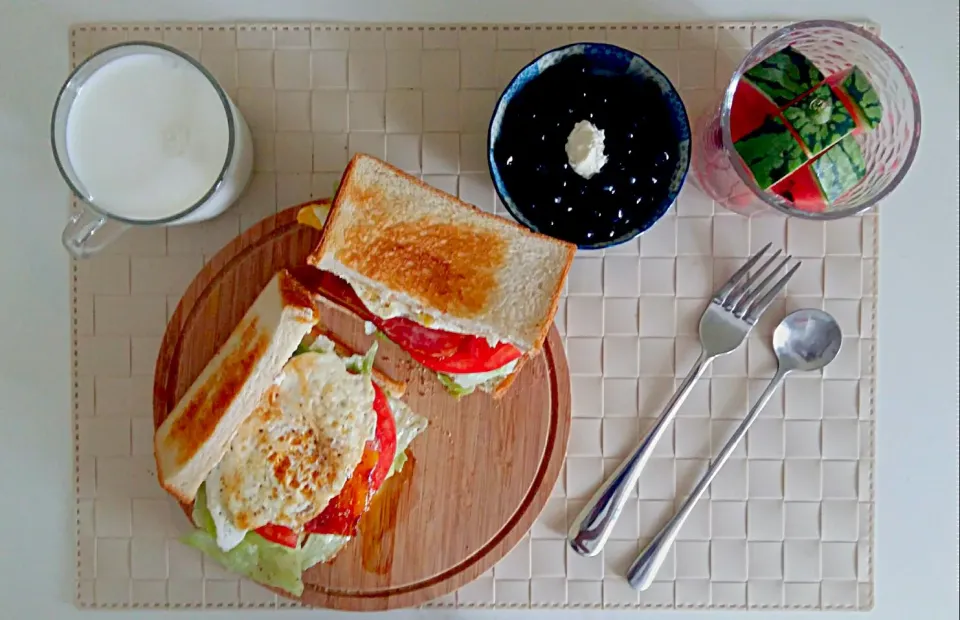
87, 232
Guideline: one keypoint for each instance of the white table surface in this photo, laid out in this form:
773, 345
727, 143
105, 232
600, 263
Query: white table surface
917, 433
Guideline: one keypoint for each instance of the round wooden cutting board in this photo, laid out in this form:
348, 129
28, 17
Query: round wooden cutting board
476, 479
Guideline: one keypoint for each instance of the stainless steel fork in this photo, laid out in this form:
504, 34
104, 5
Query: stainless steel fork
724, 326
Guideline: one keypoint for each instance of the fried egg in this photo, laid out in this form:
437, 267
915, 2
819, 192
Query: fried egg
296, 450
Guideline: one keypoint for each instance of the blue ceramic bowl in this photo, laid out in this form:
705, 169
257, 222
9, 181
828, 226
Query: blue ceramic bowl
606, 60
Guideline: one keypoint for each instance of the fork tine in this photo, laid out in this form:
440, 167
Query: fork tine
725, 290
759, 306
741, 290
744, 302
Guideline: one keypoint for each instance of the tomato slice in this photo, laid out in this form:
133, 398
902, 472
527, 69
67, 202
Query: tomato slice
494, 357
448, 351
416, 338
385, 438
344, 511
279, 534
444, 351
475, 355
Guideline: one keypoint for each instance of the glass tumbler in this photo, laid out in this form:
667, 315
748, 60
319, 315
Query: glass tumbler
888, 149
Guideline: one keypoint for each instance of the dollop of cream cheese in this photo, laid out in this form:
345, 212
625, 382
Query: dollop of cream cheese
585, 149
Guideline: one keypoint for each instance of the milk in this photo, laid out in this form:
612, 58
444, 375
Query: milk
147, 138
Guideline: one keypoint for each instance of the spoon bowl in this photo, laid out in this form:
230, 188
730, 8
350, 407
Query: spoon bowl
806, 340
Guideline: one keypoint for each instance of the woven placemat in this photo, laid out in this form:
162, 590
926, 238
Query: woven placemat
789, 521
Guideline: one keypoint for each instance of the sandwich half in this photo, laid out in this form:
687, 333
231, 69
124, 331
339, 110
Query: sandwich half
467, 294
299, 444
194, 436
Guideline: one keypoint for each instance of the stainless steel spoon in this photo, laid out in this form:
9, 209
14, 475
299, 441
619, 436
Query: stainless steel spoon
804, 340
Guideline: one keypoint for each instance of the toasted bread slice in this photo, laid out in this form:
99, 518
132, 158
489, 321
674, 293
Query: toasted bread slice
193, 437
392, 234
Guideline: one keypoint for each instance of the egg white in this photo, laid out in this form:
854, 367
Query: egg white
296, 451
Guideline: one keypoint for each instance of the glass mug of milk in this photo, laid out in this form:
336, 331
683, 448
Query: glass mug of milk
145, 136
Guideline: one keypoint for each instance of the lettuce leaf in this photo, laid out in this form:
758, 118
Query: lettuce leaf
259, 559
398, 463
201, 514
409, 425
321, 548
363, 364
453, 387
255, 557
301, 349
